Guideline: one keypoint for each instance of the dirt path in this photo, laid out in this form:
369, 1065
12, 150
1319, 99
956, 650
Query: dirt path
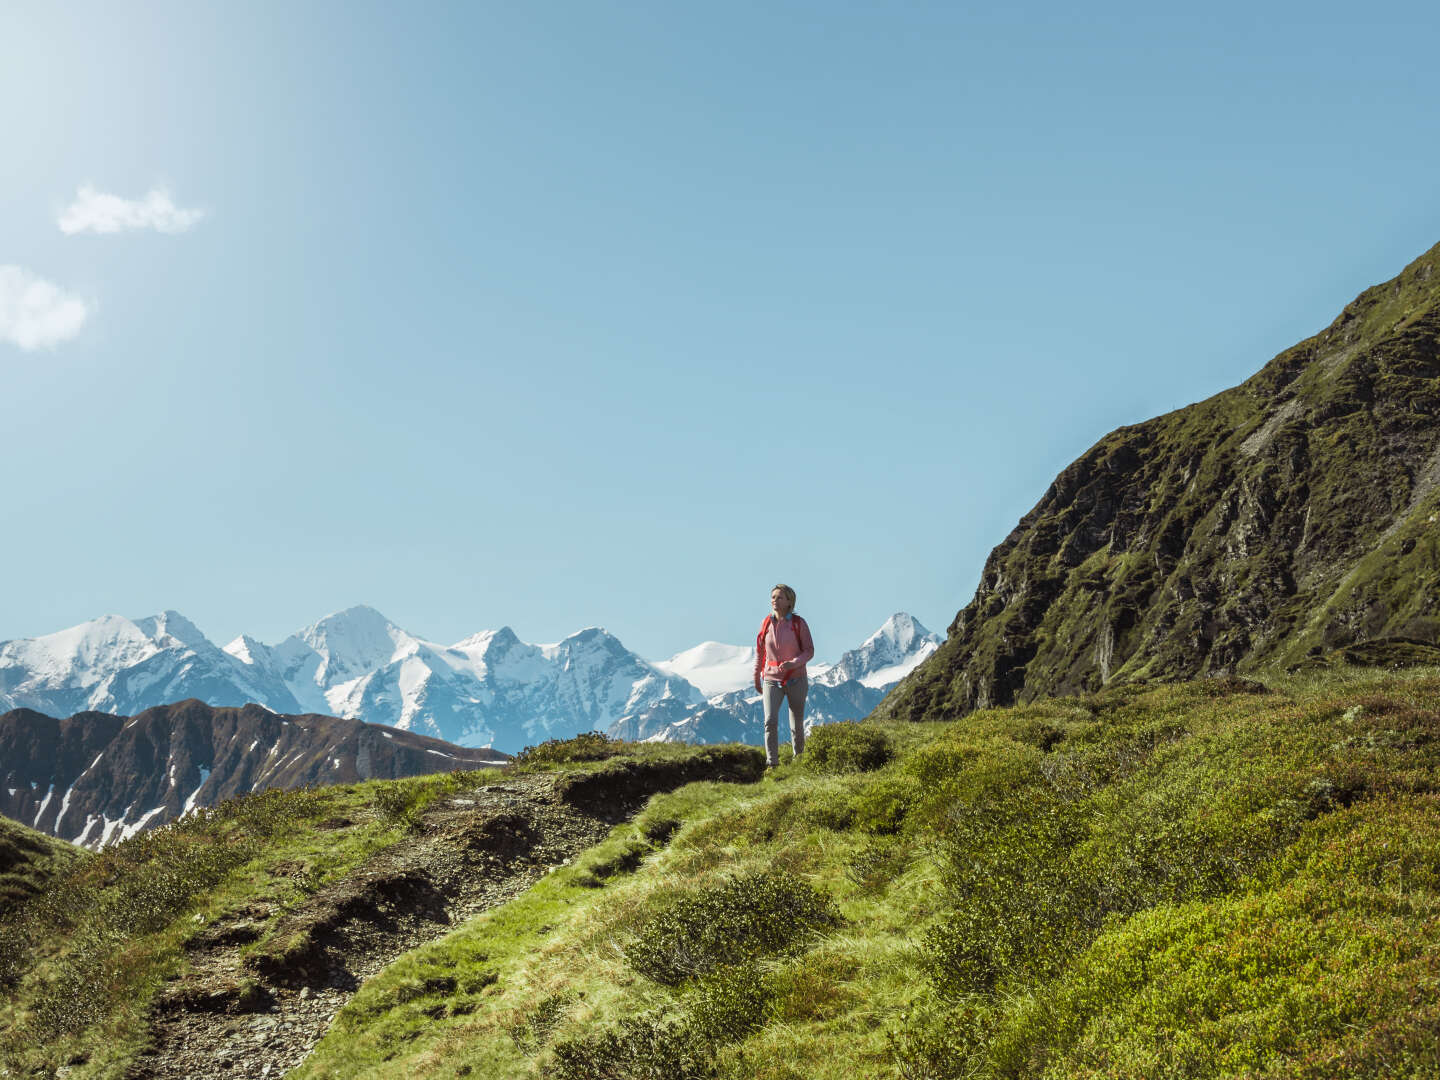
262, 1016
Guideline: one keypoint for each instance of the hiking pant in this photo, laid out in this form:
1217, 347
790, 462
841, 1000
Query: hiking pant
794, 694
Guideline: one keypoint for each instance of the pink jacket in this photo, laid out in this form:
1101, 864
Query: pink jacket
780, 640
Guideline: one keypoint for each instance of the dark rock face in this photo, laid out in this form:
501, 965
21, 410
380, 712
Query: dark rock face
93, 778
1290, 516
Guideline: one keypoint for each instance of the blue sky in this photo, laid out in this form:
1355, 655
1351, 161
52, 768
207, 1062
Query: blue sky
563, 314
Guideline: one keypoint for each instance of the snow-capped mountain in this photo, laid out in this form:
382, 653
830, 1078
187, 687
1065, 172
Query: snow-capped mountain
713, 667
123, 666
886, 656
847, 691
490, 689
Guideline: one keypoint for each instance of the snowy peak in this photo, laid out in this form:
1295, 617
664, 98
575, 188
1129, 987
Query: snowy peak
83, 655
248, 650
712, 666
479, 644
887, 655
171, 628
353, 642
118, 665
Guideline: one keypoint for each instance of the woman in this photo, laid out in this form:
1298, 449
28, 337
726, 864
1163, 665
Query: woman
782, 649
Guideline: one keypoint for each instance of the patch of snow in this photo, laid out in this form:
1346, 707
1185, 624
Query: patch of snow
126, 831
64, 806
91, 820
713, 666
43, 803
194, 795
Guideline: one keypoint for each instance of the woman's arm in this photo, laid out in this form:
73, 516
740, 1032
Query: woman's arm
807, 643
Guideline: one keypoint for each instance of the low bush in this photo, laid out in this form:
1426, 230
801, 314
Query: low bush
768, 912
881, 806
589, 746
647, 1046
877, 864
847, 747
533, 1032
721, 1008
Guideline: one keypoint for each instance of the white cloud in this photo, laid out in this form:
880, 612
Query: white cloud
100, 212
34, 313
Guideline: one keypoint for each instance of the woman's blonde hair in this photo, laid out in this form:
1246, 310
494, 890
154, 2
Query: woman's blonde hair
789, 594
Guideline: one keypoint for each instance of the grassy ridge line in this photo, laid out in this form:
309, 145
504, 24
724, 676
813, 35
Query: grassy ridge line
1182, 881
28, 860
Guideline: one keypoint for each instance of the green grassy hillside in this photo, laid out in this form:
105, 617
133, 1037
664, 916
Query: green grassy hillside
1196, 880
1207, 879
28, 859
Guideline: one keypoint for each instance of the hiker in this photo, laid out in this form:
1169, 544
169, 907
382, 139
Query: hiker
782, 649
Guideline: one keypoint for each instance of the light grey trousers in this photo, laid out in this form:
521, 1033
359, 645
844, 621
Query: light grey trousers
793, 692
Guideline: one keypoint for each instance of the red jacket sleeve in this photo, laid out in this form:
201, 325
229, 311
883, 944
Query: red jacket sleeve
807, 643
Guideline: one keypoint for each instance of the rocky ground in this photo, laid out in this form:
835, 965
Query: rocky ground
259, 1015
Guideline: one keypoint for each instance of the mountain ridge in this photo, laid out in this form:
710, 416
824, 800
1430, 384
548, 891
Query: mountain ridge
1290, 515
488, 688
93, 778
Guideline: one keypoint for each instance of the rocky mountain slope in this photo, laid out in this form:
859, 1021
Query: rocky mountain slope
1294, 514
94, 778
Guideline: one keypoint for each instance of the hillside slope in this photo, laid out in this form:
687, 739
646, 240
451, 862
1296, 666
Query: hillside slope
1296, 513
28, 860
1205, 879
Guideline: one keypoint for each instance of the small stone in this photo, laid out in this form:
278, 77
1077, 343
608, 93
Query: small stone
304, 993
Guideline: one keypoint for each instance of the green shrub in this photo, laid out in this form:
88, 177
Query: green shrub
589, 746
847, 746
650, 1047
828, 808
723, 1007
728, 1004
941, 1044
762, 913
532, 1033
877, 864
1017, 909
881, 806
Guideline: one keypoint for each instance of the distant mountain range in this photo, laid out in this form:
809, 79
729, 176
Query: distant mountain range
93, 778
491, 689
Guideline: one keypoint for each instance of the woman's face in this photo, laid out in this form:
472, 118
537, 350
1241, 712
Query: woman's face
779, 603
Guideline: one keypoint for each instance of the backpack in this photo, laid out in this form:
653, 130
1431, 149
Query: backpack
765, 629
